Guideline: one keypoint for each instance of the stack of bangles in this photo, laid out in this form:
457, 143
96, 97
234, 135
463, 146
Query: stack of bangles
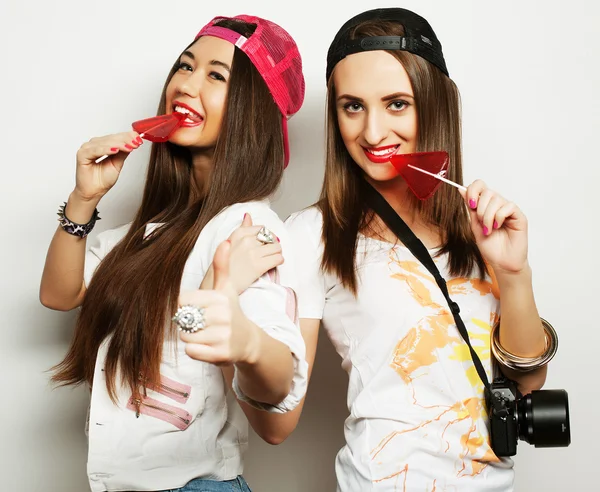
525, 364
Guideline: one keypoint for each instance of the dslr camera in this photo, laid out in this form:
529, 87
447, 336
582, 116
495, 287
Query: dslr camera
540, 418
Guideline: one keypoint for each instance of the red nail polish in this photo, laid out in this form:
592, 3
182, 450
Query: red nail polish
128, 147
496, 224
139, 141
472, 203
486, 231
114, 149
245, 215
277, 239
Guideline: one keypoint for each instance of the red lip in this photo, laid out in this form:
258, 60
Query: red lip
379, 159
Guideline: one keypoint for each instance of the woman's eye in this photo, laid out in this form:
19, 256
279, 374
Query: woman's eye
353, 107
217, 76
398, 105
184, 66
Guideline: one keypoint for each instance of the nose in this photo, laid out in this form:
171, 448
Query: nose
376, 129
190, 86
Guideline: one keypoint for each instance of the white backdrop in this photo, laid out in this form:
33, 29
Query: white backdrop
528, 74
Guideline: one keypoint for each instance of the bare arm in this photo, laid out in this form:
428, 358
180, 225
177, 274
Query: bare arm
62, 286
265, 365
500, 229
274, 428
521, 331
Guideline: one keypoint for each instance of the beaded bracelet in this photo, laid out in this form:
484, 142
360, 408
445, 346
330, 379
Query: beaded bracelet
525, 364
80, 230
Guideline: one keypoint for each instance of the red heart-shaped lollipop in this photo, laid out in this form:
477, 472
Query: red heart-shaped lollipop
421, 185
159, 128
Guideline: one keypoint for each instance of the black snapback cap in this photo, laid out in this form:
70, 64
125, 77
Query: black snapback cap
418, 38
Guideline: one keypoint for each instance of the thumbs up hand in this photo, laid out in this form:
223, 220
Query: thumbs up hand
225, 337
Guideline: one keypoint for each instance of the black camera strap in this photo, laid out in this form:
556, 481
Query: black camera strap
395, 223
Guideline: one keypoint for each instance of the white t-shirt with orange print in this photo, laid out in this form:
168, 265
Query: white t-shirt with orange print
417, 416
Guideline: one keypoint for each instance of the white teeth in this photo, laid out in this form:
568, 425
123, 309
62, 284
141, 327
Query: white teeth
181, 110
389, 151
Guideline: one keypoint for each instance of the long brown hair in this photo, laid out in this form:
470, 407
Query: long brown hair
345, 213
135, 289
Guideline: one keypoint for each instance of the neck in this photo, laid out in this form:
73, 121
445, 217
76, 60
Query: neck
401, 198
398, 195
202, 164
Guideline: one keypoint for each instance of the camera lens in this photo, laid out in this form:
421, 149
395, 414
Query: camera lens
543, 418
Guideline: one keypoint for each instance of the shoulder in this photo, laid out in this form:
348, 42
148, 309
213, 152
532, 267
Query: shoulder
231, 217
306, 223
106, 240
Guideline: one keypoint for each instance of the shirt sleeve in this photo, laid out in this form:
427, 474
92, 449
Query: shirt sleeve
270, 303
98, 247
304, 229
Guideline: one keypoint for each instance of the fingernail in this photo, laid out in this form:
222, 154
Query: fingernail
472, 203
277, 239
128, 147
135, 143
113, 149
139, 140
486, 231
245, 215
496, 224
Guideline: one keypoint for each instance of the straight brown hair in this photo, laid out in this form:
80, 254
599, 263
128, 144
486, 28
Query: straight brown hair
345, 213
134, 291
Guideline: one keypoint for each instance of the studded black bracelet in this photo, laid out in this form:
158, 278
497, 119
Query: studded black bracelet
80, 230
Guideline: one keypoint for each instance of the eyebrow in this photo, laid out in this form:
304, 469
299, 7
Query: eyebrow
387, 98
218, 63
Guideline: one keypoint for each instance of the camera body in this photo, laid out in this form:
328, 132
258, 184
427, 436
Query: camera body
504, 424
540, 418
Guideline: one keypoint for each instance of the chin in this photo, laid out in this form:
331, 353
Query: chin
192, 143
380, 172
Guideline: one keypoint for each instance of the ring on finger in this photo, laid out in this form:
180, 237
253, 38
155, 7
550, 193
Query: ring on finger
265, 236
190, 319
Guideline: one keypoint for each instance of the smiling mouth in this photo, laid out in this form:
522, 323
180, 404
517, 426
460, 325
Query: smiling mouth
382, 154
192, 117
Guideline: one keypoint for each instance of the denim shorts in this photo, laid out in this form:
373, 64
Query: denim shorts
199, 485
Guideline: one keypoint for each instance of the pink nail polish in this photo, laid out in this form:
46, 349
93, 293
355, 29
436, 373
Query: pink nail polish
496, 224
114, 149
278, 240
128, 147
245, 215
486, 231
472, 203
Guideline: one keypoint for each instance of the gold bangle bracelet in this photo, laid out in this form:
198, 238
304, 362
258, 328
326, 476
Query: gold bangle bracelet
524, 364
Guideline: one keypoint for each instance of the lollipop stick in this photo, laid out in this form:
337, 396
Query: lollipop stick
437, 176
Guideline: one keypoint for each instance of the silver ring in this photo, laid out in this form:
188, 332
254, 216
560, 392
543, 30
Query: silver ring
190, 318
265, 236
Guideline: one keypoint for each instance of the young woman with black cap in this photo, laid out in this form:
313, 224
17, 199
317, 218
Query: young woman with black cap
417, 420
162, 416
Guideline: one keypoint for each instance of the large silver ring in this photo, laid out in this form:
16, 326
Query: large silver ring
265, 236
190, 319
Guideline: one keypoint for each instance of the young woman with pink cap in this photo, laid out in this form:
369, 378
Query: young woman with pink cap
161, 416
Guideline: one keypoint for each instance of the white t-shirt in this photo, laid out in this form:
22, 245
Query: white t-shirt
189, 427
417, 416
